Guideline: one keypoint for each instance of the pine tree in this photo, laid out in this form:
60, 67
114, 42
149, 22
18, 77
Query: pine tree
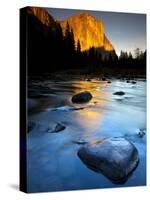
130, 56
78, 47
69, 45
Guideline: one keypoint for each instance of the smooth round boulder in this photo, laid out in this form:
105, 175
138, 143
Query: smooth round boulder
82, 97
116, 158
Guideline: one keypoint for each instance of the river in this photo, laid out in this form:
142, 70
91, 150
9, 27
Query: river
52, 160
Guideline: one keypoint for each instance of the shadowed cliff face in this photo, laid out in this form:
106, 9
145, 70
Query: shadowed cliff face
89, 30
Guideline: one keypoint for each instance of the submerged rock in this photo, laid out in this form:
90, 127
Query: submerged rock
119, 100
119, 93
66, 108
82, 97
59, 127
141, 133
116, 158
80, 142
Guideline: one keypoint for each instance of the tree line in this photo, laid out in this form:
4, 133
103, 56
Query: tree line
49, 49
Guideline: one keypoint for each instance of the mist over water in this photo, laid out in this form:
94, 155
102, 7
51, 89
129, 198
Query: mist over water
52, 161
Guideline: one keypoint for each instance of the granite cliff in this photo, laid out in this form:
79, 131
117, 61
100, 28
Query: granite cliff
89, 31
86, 28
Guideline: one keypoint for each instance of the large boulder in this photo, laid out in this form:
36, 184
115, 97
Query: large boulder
116, 158
82, 97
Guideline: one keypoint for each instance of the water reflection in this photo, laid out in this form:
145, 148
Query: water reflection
53, 163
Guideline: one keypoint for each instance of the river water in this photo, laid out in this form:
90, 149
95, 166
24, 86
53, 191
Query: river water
52, 160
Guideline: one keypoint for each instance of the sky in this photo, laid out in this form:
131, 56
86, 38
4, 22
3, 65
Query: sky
126, 31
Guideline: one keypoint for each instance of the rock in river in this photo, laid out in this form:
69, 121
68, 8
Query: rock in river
119, 93
58, 127
142, 133
80, 142
115, 157
82, 97
133, 82
103, 79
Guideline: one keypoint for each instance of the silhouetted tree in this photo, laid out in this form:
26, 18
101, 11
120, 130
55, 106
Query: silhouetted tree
137, 53
130, 56
78, 47
49, 49
69, 44
123, 55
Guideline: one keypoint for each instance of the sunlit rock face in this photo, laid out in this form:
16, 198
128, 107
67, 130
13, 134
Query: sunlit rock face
107, 44
86, 28
42, 15
89, 30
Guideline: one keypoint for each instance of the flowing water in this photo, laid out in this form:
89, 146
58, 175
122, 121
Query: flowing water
52, 160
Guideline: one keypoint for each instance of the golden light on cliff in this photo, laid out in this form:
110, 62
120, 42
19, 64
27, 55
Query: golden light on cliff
89, 31
42, 15
86, 28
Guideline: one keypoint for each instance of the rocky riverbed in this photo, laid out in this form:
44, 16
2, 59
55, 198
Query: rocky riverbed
59, 127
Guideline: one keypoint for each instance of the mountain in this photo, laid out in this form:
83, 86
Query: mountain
89, 31
86, 28
49, 49
42, 15
43, 38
